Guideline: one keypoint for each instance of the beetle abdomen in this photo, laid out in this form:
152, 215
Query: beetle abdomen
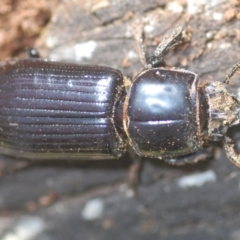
53, 110
162, 113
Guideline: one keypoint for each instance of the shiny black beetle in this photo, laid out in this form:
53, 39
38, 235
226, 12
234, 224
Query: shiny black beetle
51, 110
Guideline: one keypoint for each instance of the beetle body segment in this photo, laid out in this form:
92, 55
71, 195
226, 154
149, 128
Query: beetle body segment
54, 110
161, 113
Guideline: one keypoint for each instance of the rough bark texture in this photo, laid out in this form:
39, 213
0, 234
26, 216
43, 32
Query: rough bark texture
51, 197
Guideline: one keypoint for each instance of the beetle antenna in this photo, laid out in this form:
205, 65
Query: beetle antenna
170, 40
233, 71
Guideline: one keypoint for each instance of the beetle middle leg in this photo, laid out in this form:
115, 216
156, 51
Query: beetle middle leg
134, 174
200, 155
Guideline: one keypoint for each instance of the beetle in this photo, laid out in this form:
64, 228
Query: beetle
52, 110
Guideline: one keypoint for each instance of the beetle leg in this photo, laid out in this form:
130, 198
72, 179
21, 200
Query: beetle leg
134, 174
232, 155
140, 38
200, 155
170, 40
233, 71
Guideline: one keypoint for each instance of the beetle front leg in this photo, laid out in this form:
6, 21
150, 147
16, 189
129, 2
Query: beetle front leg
139, 37
175, 37
232, 72
232, 155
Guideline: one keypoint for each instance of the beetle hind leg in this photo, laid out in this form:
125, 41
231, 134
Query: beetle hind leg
232, 155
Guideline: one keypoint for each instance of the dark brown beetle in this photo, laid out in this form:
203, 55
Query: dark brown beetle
51, 110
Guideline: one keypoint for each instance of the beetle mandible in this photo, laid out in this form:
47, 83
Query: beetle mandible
52, 110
